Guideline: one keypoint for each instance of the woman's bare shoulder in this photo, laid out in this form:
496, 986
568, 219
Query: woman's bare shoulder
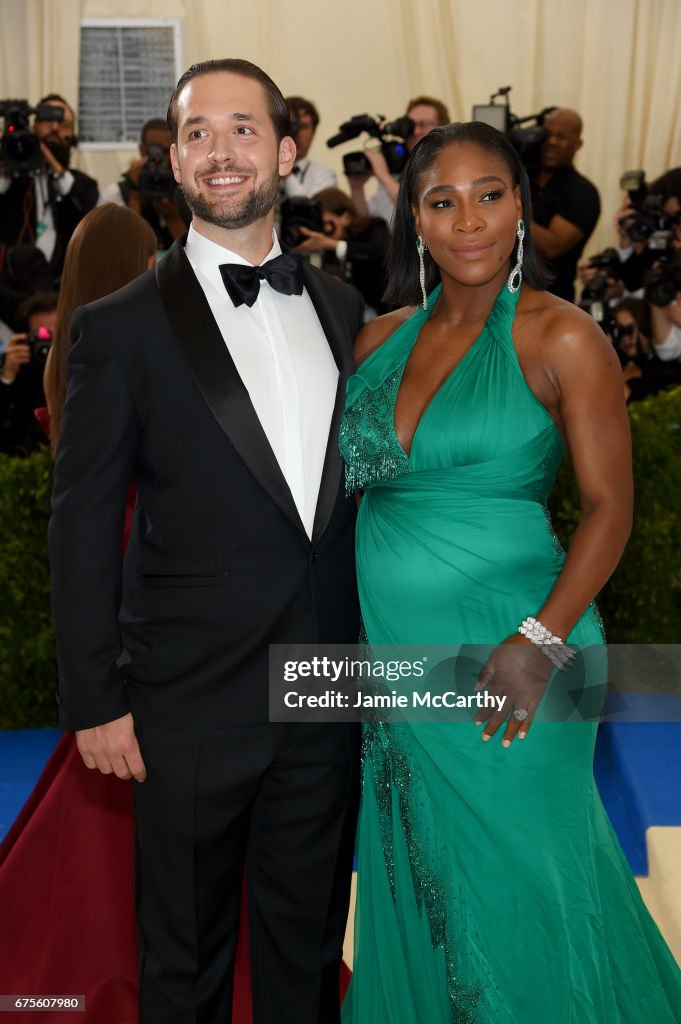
379, 330
557, 324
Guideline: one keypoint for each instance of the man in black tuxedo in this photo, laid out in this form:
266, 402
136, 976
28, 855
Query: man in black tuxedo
220, 397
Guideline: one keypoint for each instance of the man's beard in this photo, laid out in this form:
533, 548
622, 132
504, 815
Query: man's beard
231, 214
61, 151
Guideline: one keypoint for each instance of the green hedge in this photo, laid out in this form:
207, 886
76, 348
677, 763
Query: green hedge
28, 675
641, 604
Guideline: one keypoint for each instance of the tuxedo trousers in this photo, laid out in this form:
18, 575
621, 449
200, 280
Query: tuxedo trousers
278, 800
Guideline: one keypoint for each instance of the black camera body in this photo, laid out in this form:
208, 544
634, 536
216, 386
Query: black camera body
156, 179
648, 217
527, 134
393, 149
663, 283
39, 342
20, 151
607, 263
299, 212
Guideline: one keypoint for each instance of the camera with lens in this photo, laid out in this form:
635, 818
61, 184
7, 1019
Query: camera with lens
39, 342
20, 151
391, 135
607, 265
297, 213
156, 179
647, 220
527, 134
663, 282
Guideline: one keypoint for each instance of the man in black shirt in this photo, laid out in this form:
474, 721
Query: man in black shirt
565, 204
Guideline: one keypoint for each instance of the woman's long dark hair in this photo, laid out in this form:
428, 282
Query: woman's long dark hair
402, 271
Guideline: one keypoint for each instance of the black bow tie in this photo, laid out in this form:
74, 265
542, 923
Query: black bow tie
284, 273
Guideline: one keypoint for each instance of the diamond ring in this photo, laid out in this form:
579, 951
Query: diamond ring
520, 714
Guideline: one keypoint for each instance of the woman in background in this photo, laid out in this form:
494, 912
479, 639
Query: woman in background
66, 865
110, 247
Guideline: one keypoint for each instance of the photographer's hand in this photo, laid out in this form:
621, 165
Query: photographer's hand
315, 241
169, 211
51, 161
380, 169
17, 354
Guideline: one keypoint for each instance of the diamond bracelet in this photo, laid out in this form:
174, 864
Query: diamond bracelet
551, 645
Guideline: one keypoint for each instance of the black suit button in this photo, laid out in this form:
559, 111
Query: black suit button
313, 557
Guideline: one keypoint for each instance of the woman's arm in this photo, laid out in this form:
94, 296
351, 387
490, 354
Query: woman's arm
590, 408
592, 411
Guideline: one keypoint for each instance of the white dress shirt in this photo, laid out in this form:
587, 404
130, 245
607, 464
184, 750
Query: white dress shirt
283, 358
308, 178
670, 349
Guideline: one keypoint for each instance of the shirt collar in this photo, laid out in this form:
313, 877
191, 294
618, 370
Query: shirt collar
207, 255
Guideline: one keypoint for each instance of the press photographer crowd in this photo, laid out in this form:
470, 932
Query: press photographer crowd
633, 288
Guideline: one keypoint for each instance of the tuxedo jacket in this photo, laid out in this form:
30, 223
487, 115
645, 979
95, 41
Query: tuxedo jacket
218, 565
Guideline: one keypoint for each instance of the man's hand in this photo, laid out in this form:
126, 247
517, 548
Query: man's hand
169, 211
380, 168
51, 160
17, 354
315, 241
113, 747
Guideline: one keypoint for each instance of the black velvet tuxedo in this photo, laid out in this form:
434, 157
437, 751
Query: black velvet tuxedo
218, 567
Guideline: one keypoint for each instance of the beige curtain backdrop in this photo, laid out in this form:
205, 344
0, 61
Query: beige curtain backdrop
618, 62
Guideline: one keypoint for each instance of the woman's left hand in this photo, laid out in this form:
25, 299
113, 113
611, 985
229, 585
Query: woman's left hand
518, 671
315, 241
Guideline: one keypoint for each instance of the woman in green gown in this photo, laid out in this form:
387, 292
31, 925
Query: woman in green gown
491, 887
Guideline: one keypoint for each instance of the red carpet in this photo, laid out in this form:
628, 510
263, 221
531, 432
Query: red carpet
66, 898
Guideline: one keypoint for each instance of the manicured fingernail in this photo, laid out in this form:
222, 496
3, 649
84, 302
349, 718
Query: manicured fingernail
486, 736
506, 743
478, 723
522, 735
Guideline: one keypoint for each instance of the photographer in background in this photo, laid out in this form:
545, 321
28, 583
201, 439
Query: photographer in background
565, 205
643, 371
307, 177
44, 207
426, 113
21, 376
648, 225
148, 186
353, 247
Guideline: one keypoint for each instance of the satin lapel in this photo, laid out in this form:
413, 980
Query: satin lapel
217, 376
341, 348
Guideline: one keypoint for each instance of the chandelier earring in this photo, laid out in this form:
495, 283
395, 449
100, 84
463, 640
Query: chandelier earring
515, 278
422, 247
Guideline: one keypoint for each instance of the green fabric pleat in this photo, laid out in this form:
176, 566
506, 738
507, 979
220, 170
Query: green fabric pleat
491, 887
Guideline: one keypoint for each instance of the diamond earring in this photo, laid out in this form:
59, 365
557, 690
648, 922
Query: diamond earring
422, 247
515, 278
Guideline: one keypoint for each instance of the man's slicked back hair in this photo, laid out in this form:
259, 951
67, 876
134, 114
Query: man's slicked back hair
235, 66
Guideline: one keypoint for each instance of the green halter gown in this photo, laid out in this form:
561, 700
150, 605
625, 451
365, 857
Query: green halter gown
491, 887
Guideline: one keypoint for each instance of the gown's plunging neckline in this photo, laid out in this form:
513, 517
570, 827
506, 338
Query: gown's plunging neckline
473, 345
